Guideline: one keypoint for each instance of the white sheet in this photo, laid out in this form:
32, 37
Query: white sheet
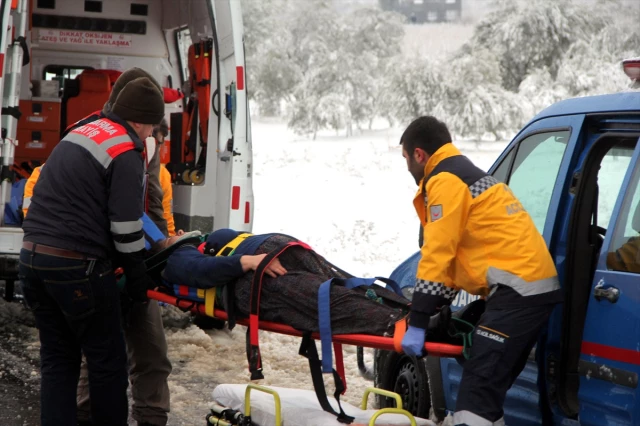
300, 408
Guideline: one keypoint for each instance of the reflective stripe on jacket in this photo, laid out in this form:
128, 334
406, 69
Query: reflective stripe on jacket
476, 235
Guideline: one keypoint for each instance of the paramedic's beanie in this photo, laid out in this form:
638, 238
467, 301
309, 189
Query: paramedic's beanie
127, 76
140, 102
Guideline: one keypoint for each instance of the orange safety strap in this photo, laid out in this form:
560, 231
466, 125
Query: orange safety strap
398, 334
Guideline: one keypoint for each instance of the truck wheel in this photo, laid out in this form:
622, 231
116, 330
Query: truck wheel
407, 376
207, 323
9, 288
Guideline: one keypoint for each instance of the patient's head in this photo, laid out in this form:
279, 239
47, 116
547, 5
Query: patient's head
220, 238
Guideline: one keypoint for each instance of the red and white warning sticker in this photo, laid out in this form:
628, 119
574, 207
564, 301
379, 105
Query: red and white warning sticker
84, 38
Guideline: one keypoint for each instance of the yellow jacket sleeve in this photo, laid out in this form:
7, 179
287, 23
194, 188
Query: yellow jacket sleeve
447, 208
167, 199
28, 190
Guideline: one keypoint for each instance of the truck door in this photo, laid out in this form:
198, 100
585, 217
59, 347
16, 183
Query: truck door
220, 195
609, 361
13, 56
234, 174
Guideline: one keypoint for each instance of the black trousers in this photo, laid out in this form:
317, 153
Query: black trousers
76, 304
501, 344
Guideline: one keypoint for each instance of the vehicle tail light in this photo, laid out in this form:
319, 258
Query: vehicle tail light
632, 68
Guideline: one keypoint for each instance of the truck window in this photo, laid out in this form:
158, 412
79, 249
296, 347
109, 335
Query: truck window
60, 73
624, 254
535, 170
183, 41
502, 171
612, 170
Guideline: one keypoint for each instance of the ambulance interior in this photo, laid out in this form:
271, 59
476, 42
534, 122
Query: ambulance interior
78, 48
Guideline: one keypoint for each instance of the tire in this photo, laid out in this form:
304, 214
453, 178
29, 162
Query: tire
207, 323
405, 375
9, 289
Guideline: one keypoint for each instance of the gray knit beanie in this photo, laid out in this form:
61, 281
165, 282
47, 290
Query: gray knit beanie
127, 76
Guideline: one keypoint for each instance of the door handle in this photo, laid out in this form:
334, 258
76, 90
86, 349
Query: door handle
610, 293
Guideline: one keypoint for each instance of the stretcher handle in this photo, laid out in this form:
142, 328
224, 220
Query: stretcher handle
217, 421
378, 413
382, 392
276, 398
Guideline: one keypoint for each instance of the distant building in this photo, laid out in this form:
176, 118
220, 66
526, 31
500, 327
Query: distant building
421, 11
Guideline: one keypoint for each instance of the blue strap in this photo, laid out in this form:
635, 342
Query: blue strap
391, 284
324, 324
357, 282
152, 233
324, 311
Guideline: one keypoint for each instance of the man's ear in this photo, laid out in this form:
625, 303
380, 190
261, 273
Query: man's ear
420, 155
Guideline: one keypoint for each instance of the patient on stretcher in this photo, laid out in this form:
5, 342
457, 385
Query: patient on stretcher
289, 293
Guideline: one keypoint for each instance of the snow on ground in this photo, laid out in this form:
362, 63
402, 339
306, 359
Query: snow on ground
349, 198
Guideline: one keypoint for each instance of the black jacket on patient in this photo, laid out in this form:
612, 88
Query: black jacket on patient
292, 298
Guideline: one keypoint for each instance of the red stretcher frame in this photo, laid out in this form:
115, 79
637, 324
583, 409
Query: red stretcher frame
364, 340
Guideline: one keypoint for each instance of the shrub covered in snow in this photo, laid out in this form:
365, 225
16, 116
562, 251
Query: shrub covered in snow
342, 70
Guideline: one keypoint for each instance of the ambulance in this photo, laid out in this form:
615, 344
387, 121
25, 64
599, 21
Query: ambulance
58, 62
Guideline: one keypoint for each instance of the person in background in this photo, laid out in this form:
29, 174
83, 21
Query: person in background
28, 190
477, 237
160, 133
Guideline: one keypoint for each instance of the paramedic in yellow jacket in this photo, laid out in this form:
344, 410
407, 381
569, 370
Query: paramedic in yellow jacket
479, 238
160, 133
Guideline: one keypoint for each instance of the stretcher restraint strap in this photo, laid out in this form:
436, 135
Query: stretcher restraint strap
398, 334
210, 294
324, 311
253, 349
152, 233
308, 350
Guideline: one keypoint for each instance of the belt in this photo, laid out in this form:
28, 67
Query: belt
53, 251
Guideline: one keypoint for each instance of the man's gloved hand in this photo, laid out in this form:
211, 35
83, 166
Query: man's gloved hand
413, 341
137, 289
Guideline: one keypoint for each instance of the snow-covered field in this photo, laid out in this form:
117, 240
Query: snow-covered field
349, 198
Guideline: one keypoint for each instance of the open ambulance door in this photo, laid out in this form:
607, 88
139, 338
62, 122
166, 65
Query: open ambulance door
13, 56
217, 191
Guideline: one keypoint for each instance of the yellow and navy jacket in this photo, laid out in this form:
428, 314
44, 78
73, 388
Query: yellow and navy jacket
477, 236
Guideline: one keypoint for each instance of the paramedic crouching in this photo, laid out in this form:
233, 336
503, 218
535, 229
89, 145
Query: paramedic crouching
85, 213
479, 238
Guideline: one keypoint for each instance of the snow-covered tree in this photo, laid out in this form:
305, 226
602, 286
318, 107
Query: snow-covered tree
413, 87
536, 34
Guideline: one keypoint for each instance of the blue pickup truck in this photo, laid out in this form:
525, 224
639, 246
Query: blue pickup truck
575, 167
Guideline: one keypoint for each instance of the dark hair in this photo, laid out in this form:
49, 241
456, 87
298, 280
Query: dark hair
427, 133
162, 128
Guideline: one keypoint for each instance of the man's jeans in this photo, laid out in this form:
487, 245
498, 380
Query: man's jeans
76, 306
149, 367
